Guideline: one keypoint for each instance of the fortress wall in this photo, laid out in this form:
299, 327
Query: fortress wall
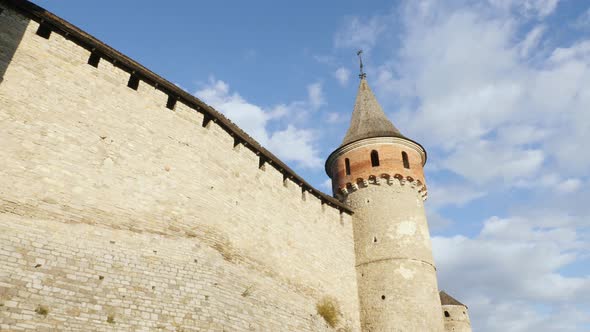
98, 179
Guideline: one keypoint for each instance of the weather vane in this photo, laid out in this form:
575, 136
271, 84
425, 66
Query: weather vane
362, 74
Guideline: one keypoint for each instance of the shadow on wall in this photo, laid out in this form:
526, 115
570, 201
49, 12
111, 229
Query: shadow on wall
11, 34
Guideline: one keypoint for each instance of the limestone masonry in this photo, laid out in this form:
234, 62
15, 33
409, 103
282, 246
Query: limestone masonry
127, 204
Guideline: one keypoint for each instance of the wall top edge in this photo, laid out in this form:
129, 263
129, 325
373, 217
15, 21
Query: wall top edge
85, 40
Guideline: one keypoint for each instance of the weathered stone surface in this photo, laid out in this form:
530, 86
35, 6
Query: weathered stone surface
120, 214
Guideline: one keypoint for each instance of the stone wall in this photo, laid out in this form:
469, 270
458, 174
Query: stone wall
456, 318
118, 213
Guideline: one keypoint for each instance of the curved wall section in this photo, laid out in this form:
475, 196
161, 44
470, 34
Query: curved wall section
456, 318
395, 271
396, 275
390, 153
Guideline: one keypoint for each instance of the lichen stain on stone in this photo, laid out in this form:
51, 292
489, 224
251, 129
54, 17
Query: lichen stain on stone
406, 273
406, 228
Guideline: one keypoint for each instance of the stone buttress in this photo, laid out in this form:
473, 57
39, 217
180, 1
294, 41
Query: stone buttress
378, 173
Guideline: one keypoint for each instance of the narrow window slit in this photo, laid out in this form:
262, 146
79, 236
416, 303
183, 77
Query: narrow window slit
374, 158
347, 166
447, 314
405, 160
171, 103
133, 82
43, 31
94, 59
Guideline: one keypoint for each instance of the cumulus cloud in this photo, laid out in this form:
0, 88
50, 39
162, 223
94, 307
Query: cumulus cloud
538, 8
357, 33
342, 75
583, 21
484, 161
515, 263
502, 106
441, 195
469, 74
531, 40
290, 144
315, 95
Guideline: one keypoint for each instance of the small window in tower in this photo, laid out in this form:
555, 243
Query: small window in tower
133, 82
447, 314
43, 31
347, 166
405, 159
374, 158
382, 297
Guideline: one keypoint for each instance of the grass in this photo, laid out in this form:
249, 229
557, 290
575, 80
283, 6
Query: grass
247, 291
329, 309
42, 310
111, 319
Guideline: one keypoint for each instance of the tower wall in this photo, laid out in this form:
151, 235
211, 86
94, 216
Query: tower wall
456, 318
120, 214
395, 270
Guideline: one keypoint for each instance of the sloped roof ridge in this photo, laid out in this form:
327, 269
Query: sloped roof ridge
446, 299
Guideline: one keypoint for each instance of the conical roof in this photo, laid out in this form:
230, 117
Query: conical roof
368, 119
446, 299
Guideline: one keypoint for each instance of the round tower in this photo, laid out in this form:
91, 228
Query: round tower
378, 172
456, 316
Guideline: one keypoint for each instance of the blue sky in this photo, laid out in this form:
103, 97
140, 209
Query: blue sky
497, 91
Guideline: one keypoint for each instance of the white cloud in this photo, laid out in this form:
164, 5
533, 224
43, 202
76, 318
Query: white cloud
289, 144
334, 117
292, 144
342, 75
484, 161
539, 8
583, 21
569, 186
514, 263
359, 34
315, 95
531, 40
486, 90
441, 195
471, 86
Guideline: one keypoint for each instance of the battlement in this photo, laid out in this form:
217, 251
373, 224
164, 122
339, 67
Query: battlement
389, 179
49, 23
127, 203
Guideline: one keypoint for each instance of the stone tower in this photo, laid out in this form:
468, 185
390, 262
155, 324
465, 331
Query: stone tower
378, 172
455, 314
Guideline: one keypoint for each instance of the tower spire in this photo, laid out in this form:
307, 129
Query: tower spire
368, 119
362, 73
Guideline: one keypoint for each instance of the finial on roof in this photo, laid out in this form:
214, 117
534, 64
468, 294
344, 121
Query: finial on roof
362, 74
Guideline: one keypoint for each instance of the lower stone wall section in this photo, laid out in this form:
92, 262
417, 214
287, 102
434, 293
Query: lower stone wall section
57, 276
